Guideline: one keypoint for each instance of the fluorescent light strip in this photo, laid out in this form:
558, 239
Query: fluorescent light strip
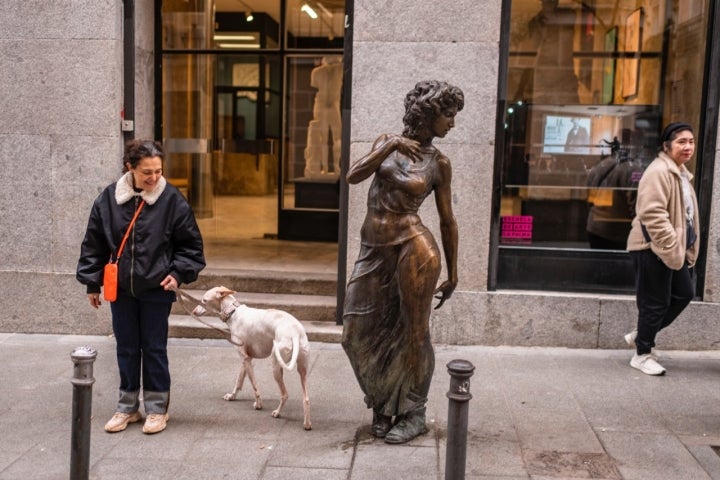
239, 45
234, 37
310, 12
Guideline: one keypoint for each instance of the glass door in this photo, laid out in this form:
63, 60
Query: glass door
310, 194
245, 155
246, 142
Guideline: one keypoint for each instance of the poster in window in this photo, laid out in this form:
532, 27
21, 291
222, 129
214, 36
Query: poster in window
609, 66
631, 62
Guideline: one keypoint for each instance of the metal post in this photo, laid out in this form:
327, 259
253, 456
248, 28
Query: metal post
459, 395
83, 359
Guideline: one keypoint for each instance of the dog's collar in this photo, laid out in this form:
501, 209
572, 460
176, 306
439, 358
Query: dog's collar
225, 314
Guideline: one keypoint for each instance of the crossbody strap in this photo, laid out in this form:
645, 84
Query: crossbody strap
127, 232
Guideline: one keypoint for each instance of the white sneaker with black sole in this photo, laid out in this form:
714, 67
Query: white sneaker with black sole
647, 364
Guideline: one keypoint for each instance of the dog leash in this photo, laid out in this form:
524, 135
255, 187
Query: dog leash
184, 298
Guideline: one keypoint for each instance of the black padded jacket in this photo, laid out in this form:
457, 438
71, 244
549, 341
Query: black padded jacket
165, 239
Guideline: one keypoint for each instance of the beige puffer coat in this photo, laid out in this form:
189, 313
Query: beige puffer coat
660, 208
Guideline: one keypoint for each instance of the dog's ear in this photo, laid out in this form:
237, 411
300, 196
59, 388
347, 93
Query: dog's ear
224, 292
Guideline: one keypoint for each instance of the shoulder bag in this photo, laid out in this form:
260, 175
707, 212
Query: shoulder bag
110, 273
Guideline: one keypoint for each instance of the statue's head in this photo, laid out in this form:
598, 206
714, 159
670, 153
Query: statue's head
427, 101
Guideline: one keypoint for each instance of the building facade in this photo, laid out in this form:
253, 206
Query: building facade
272, 100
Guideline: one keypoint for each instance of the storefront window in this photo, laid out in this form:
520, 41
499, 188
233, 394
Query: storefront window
314, 132
310, 192
589, 87
251, 112
315, 24
232, 25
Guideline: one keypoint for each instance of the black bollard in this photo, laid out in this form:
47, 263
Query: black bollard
459, 395
83, 359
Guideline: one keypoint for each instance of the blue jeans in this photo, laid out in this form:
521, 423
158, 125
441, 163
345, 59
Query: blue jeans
661, 294
141, 332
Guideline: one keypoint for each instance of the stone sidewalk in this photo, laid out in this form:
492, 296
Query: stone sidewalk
536, 413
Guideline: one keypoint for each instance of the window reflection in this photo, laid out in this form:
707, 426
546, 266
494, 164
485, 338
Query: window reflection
589, 85
315, 132
315, 23
245, 114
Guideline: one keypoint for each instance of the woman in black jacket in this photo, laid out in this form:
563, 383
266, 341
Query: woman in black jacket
164, 249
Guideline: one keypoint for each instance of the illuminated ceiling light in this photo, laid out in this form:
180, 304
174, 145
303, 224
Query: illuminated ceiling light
248, 11
238, 45
310, 12
238, 38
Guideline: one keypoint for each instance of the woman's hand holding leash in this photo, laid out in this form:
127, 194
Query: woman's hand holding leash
169, 283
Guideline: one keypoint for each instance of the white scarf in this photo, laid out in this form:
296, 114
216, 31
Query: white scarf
124, 190
687, 196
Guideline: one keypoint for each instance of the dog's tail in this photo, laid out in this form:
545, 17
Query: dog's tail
295, 352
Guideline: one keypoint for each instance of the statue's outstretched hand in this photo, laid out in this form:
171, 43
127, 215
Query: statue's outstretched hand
444, 292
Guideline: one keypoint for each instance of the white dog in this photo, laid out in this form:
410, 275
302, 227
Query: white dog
260, 333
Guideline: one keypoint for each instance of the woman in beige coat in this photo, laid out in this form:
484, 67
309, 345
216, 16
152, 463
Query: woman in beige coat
663, 244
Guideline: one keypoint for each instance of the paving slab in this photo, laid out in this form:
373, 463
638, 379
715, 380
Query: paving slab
536, 413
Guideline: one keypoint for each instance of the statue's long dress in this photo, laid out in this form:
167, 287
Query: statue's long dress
389, 296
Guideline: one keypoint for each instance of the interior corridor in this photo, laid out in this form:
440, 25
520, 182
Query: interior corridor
241, 235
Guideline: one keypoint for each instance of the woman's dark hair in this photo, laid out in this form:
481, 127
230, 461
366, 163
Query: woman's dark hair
136, 150
426, 102
671, 131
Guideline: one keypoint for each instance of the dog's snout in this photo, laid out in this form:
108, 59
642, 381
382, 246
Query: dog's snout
199, 310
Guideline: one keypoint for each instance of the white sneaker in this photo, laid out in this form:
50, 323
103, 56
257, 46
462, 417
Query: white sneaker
647, 364
120, 420
155, 423
630, 340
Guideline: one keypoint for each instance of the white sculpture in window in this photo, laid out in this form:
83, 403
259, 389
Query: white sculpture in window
326, 122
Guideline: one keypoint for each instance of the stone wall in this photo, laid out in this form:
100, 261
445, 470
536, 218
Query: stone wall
61, 74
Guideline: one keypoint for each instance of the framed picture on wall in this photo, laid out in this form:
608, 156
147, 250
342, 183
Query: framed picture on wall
608, 91
633, 49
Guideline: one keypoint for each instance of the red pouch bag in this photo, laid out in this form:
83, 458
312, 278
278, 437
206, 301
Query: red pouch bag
110, 278
110, 273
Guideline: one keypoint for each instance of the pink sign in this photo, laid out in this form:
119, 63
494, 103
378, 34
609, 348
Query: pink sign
516, 227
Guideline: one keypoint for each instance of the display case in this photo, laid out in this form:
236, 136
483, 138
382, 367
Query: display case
570, 167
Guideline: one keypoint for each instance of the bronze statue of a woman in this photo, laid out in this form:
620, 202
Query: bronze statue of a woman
389, 296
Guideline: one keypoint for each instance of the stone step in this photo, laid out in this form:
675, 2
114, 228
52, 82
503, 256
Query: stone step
267, 281
309, 296
185, 326
314, 308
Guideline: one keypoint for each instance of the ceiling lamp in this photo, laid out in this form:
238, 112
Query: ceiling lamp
309, 11
248, 11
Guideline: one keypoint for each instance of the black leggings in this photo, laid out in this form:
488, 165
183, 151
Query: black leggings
661, 293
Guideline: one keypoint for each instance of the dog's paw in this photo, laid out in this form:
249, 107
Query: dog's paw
257, 405
307, 426
229, 397
276, 413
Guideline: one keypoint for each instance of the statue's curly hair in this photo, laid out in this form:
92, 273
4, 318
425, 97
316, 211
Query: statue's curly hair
426, 102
